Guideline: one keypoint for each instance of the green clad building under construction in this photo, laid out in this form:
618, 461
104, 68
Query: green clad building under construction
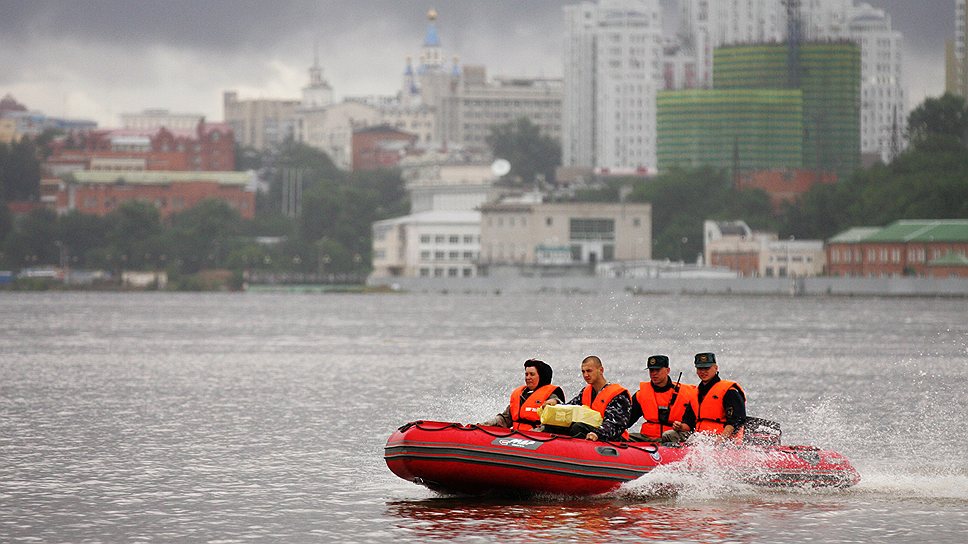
768, 109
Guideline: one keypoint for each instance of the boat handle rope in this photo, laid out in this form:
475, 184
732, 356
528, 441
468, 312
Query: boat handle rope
472, 427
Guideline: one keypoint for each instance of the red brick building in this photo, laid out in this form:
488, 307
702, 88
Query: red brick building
925, 248
784, 185
380, 147
100, 193
94, 171
210, 147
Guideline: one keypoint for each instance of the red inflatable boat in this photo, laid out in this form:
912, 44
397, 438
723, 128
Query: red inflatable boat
472, 459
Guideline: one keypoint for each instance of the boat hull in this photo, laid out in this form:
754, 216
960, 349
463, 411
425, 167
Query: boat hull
471, 459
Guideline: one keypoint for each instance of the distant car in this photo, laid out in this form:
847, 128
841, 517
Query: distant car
48, 273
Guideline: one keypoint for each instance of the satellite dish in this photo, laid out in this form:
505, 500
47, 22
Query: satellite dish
500, 167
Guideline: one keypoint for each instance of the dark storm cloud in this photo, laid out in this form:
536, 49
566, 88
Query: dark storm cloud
126, 55
230, 23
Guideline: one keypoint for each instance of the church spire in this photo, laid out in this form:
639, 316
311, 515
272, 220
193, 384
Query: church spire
431, 56
318, 94
315, 72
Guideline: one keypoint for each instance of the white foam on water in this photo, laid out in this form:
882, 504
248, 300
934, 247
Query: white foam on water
915, 486
707, 472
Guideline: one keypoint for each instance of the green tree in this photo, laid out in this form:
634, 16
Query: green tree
531, 153
32, 241
80, 234
938, 120
203, 236
133, 237
19, 171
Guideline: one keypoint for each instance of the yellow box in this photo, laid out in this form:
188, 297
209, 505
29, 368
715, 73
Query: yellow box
563, 415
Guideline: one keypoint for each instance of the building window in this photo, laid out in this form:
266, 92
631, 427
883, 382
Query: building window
468, 272
468, 239
425, 255
454, 255
439, 255
454, 239
608, 253
452, 272
468, 255
440, 239
592, 229
424, 238
424, 272
636, 222
548, 221
438, 272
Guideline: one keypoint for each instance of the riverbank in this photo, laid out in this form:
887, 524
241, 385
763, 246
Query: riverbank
818, 286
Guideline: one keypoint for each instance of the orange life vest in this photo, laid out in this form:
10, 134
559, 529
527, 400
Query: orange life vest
524, 415
605, 396
650, 401
710, 415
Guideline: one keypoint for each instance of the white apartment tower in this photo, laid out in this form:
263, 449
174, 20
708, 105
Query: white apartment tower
612, 59
708, 24
956, 62
883, 109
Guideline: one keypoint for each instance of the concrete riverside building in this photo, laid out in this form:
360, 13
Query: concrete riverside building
926, 248
733, 245
427, 244
564, 233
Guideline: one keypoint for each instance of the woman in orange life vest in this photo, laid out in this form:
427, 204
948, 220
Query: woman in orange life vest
659, 401
719, 406
609, 399
522, 411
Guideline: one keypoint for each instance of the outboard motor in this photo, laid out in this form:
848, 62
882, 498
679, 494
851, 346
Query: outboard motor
761, 432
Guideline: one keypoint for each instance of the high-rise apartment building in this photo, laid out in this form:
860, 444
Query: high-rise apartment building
260, 123
956, 59
612, 59
708, 24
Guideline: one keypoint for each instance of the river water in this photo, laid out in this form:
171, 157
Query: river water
262, 416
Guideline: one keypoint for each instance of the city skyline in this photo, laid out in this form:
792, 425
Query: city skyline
99, 60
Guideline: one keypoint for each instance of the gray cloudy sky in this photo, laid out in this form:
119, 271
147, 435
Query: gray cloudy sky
98, 58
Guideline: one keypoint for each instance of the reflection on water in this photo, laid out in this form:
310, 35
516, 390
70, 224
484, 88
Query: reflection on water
218, 417
587, 520
596, 520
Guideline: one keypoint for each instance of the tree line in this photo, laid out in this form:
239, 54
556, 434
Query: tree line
929, 180
329, 237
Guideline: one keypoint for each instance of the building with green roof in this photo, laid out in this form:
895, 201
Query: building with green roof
909, 247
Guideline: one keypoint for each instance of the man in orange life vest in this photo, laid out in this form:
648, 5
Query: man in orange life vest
719, 406
659, 402
522, 411
609, 399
